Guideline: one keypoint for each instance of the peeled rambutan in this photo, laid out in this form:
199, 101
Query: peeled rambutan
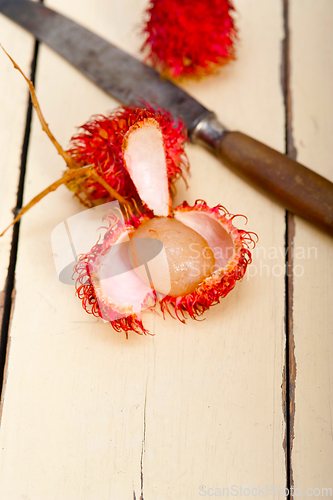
189, 38
185, 260
120, 298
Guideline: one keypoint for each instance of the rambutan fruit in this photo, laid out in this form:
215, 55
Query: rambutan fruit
99, 142
189, 38
204, 256
186, 259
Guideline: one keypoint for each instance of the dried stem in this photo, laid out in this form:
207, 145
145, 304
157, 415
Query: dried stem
75, 171
67, 157
68, 176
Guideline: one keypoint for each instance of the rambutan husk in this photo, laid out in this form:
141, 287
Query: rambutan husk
230, 245
189, 39
123, 317
100, 142
230, 268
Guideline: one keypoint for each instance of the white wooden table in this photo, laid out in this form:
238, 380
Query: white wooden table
196, 410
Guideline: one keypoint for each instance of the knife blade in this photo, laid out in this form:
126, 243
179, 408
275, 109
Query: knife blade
296, 187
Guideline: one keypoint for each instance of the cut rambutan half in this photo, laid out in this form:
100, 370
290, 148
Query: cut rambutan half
189, 38
100, 142
201, 258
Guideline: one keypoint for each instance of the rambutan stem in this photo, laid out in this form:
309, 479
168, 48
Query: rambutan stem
68, 159
86, 171
65, 178
75, 169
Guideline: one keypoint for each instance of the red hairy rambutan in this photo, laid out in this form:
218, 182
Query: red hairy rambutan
186, 259
189, 38
120, 298
99, 143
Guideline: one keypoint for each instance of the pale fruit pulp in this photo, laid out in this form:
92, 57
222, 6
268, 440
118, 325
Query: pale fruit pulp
190, 259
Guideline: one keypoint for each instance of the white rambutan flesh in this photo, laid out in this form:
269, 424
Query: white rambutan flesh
145, 161
190, 259
117, 282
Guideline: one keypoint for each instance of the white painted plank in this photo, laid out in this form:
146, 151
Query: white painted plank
79, 395
312, 99
13, 105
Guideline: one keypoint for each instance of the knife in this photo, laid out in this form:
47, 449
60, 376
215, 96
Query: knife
296, 187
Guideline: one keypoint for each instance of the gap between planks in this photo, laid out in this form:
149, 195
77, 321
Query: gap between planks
8, 295
289, 373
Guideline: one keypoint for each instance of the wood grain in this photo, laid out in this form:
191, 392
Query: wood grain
89, 414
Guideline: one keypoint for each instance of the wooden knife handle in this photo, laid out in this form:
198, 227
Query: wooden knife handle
298, 188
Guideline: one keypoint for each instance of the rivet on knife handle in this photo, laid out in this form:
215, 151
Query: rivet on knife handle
298, 188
